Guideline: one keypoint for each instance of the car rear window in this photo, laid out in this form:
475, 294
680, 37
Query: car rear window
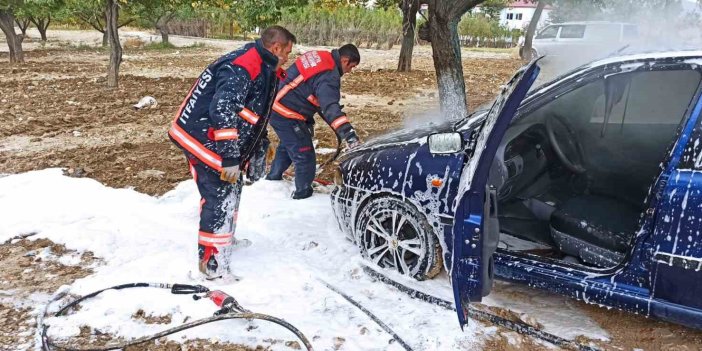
572, 32
548, 33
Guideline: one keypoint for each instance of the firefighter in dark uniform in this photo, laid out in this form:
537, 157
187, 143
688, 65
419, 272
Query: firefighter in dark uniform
221, 127
312, 85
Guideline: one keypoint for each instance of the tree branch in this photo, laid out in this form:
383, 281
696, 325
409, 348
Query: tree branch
89, 21
125, 23
464, 6
33, 20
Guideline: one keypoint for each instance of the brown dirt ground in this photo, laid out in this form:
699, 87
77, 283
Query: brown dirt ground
55, 111
23, 273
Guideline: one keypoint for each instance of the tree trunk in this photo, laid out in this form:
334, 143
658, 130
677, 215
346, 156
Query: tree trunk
162, 26
525, 52
112, 14
14, 41
104, 39
446, 51
44, 28
42, 32
42, 25
409, 23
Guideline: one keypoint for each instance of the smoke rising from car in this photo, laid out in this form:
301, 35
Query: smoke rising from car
657, 26
416, 120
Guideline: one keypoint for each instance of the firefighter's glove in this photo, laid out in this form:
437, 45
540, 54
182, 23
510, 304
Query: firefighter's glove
270, 153
257, 165
353, 141
230, 174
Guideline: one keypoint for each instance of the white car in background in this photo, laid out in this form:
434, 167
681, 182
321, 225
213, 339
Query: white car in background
576, 43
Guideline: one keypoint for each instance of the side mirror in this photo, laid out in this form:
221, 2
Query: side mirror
445, 143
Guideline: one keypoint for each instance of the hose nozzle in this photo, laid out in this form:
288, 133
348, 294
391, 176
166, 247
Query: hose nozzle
226, 302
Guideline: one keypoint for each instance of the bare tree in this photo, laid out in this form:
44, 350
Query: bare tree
7, 25
112, 16
409, 23
444, 16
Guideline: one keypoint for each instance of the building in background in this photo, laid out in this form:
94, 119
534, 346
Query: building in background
519, 14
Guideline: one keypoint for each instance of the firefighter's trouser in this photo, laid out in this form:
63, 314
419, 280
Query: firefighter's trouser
219, 209
295, 148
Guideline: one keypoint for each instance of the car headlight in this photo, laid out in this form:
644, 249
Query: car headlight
338, 177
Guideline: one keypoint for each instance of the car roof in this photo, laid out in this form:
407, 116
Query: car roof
694, 56
647, 56
591, 22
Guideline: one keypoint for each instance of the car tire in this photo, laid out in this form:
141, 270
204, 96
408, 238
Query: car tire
393, 234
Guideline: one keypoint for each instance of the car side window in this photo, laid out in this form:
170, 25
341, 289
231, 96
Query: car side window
647, 98
572, 32
549, 32
603, 32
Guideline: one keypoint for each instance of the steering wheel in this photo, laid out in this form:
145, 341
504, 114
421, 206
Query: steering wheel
568, 151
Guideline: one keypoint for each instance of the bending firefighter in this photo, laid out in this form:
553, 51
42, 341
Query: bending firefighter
221, 127
312, 85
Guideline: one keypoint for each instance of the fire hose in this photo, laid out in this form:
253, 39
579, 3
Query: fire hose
229, 309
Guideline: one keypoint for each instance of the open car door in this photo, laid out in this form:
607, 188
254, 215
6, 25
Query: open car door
476, 229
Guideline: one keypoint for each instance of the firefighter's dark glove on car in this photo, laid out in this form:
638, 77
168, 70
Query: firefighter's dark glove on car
353, 142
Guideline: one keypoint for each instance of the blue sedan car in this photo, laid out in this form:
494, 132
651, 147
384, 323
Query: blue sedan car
589, 186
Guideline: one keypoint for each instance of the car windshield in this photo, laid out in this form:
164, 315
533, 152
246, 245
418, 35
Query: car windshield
548, 33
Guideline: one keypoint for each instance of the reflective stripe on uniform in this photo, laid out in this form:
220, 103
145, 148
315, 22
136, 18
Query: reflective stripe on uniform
226, 134
290, 86
249, 115
282, 110
286, 112
210, 239
194, 147
339, 122
313, 100
191, 144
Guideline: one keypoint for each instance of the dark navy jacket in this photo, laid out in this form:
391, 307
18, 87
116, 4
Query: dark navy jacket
313, 85
226, 111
